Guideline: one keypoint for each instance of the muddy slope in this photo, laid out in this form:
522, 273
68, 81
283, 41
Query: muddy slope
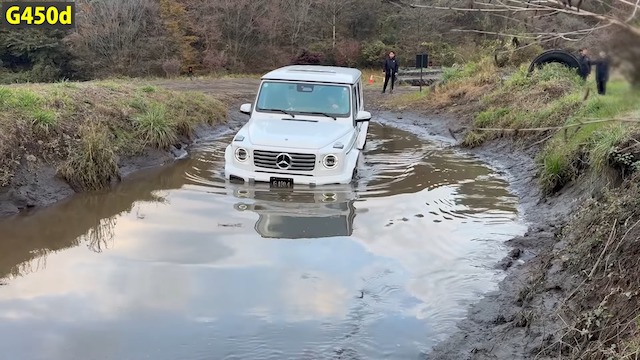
517, 321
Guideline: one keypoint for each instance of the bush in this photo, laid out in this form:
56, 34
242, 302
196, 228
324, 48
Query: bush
171, 67
347, 53
306, 57
215, 60
373, 54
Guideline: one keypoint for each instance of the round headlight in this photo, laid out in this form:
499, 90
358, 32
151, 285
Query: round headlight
330, 161
241, 154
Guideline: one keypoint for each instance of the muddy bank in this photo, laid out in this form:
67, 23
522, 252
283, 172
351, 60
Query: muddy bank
36, 181
37, 185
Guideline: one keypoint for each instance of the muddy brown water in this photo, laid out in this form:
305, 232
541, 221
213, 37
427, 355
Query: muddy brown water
176, 263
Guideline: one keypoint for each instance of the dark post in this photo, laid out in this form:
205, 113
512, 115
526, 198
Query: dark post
422, 61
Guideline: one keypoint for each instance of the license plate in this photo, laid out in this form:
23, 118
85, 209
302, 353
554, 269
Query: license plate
281, 183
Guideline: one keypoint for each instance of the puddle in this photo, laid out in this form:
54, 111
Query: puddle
179, 264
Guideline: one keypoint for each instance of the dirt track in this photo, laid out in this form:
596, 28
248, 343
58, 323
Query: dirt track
245, 89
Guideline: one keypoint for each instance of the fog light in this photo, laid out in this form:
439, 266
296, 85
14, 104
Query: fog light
241, 154
330, 161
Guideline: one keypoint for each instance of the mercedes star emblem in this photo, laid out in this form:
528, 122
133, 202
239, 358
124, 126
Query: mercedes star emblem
283, 161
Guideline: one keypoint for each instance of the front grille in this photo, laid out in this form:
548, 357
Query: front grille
299, 162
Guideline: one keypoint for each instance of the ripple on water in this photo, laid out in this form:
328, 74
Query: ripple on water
200, 268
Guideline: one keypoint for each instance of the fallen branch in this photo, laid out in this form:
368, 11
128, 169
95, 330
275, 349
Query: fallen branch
540, 34
547, 128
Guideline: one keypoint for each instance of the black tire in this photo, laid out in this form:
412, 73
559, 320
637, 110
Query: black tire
558, 56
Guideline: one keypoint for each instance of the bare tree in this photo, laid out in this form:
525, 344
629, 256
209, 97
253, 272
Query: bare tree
620, 13
114, 34
297, 13
332, 12
238, 24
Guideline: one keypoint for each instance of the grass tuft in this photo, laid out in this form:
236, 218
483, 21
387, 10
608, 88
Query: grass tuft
44, 119
604, 145
93, 165
473, 139
555, 170
155, 127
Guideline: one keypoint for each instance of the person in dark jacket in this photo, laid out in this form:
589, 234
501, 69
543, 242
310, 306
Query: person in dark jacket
390, 70
602, 73
585, 62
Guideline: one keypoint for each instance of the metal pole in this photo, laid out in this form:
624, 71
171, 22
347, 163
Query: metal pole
421, 61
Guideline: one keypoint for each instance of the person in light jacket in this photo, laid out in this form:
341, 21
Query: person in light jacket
390, 70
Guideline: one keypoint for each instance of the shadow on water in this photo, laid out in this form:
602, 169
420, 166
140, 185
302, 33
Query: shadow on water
183, 264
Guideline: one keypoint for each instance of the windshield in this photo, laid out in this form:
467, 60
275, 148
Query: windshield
299, 98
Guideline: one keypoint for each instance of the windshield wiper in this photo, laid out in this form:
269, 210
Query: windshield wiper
282, 111
321, 113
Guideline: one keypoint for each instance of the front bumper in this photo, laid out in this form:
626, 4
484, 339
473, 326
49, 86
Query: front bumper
264, 175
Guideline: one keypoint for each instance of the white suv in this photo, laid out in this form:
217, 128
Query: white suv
307, 126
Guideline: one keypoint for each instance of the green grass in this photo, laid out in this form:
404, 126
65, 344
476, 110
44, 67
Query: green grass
155, 127
553, 96
598, 141
148, 88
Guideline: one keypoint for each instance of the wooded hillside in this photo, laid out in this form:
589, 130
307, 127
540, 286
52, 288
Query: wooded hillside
165, 37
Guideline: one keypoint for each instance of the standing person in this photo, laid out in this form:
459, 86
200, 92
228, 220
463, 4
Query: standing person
585, 63
602, 73
390, 70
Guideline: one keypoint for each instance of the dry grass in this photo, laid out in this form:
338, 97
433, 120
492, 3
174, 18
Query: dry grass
84, 128
602, 314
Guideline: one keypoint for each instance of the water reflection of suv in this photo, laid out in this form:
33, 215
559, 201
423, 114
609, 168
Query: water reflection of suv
300, 214
307, 126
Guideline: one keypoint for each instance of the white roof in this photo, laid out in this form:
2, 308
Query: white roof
318, 73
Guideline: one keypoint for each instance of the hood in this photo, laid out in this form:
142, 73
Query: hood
296, 133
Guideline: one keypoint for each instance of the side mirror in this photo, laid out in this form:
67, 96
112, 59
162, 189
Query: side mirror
245, 109
363, 116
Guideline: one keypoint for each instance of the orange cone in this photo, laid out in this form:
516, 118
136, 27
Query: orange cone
371, 79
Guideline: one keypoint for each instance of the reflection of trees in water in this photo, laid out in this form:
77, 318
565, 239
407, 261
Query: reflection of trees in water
99, 237
87, 217
37, 263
